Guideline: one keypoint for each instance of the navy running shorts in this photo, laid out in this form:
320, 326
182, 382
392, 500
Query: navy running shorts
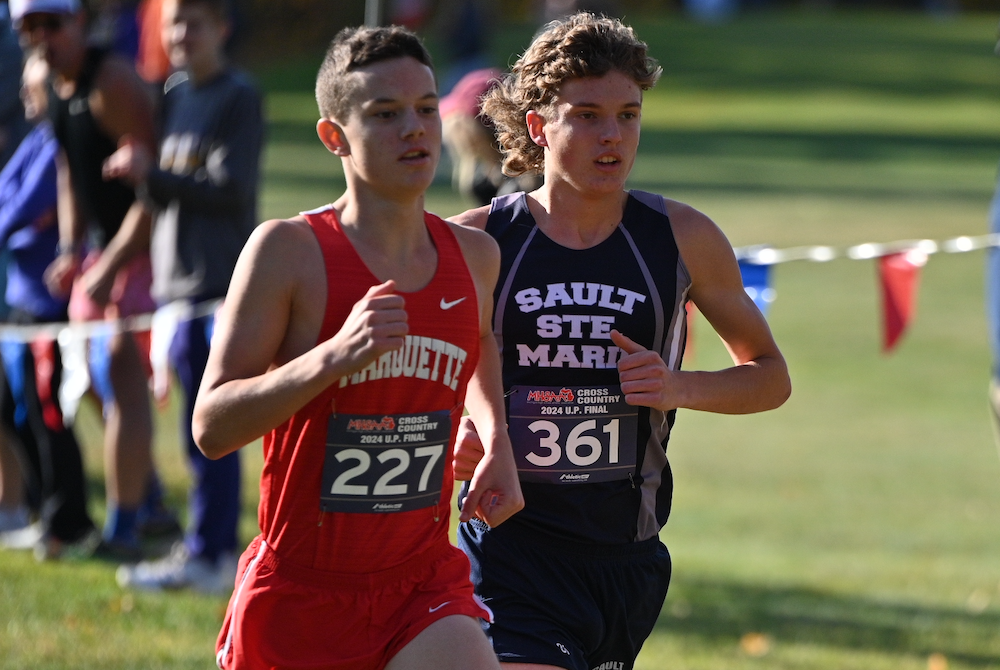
571, 605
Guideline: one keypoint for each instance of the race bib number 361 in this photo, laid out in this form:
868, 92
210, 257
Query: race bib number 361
572, 434
384, 463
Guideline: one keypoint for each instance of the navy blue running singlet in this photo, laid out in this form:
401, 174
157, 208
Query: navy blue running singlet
592, 468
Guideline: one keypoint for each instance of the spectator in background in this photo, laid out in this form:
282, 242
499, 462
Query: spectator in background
13, 513
115, 26
29, 400
204, 191
470, 139
465, 27
152, 62
409, 13
98, 101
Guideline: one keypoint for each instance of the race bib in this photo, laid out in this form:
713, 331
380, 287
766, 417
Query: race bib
384, 463
572, 434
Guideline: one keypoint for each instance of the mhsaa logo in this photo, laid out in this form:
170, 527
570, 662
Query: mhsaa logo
386, 507
566, 477
564, 395
367, 425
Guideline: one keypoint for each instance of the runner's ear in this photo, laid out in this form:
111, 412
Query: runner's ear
536, 127
333, 138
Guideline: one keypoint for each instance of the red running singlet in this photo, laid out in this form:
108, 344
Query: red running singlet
429, 374
354, 558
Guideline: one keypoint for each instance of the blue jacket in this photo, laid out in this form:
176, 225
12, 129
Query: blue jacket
28, 224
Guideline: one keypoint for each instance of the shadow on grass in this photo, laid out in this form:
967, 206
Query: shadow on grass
857, 146
911, 166
902, 165
744, 186
878, 52
897, 53
722, 610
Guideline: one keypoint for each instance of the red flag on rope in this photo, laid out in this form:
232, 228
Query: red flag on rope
900, 275
43, 349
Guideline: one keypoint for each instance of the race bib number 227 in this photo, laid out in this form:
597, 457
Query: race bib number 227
384, 463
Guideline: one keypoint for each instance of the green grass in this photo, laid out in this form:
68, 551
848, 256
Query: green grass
855, 527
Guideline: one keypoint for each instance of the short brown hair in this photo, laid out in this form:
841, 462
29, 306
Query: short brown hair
353, 48
581, 45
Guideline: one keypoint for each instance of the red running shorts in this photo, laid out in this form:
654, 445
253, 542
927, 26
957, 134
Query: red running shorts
285, 616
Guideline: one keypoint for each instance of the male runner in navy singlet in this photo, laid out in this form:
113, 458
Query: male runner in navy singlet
590, 317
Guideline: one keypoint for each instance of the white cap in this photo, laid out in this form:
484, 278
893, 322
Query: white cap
20, 8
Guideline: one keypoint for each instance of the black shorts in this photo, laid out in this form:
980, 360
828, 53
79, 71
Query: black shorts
575, 606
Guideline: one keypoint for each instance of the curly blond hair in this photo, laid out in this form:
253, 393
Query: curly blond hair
581, 45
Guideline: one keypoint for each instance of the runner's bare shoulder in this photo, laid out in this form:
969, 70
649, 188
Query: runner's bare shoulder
283, 251
473, 218
702, 244
477, 246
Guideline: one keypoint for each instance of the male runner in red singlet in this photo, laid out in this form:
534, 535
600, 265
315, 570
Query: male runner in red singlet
348, 338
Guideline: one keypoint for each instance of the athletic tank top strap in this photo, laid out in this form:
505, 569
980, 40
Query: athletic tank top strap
506, 211
510, 223
336, 249
87, 146
341, 259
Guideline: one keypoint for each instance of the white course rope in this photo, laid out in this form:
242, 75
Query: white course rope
762, 254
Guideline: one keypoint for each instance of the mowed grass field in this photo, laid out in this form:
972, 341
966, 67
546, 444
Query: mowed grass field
857, 527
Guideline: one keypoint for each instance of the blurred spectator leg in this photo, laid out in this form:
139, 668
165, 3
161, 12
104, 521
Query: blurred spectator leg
127, 440
64, 509
214, 501
19, 446
13, 509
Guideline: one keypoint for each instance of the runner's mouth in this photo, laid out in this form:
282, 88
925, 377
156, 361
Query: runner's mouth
415, 154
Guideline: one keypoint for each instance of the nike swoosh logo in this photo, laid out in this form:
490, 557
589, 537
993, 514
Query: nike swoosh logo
449, 305
435, 609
